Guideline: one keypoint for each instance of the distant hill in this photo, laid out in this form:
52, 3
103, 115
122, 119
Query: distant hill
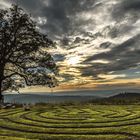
119, 99
122, 99
125, 96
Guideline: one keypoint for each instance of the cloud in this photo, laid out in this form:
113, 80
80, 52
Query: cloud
59, 14
128, 9
96, 39
131, 46
120, 57
4, 4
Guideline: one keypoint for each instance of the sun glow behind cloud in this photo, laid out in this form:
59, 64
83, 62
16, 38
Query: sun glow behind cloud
73, 60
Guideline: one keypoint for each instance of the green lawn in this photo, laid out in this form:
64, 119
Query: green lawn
71, 122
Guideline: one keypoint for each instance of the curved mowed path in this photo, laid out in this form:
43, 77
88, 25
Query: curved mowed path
73, 122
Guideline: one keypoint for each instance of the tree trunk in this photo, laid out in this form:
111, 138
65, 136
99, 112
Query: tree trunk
1, 80
1, 96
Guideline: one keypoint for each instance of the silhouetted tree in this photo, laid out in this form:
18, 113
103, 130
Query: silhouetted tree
24, 56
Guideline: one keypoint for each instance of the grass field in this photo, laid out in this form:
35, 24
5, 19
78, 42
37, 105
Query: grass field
71, 122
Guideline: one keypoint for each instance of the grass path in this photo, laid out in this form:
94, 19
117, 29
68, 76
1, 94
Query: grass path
71, 122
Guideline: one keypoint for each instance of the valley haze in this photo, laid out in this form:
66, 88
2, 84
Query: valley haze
62, 96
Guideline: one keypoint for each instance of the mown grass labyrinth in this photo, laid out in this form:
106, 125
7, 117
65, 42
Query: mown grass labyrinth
73, 122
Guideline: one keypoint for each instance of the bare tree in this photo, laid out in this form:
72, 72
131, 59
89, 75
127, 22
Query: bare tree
23, 52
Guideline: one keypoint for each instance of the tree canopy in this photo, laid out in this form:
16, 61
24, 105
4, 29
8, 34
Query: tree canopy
24, 56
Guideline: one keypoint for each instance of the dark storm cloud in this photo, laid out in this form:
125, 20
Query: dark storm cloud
129, 7
121, 57
58, 13
33, 6
120, 30
129, 48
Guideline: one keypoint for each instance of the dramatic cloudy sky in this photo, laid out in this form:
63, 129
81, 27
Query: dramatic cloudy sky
98, 41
